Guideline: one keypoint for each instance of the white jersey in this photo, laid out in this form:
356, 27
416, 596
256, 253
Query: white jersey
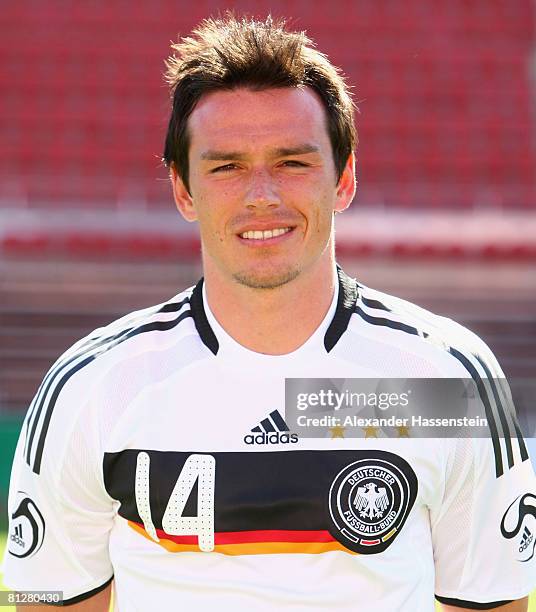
156, 452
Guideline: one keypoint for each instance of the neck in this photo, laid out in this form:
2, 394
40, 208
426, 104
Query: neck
261, 319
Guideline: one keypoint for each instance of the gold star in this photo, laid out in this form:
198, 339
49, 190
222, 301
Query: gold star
403, 431
370, 432
337, 431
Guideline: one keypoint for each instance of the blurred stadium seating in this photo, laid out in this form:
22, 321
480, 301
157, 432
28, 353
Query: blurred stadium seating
445, 92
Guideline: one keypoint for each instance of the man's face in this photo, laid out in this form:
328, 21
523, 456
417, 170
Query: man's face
263, 184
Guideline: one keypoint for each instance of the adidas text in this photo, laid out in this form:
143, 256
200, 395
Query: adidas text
271, 438
525, 543
15, 538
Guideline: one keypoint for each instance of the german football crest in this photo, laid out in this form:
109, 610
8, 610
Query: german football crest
369, 501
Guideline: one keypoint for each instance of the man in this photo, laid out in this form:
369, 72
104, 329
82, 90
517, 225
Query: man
156, 452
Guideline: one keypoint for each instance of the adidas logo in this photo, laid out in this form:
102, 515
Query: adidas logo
525, 540
271, 430
17, 536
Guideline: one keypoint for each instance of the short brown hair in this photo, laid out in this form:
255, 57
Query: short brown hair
227, 53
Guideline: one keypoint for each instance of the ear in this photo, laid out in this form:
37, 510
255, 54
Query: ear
183, 200
346, 185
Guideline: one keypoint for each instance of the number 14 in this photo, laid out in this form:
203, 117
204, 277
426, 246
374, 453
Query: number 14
200, 468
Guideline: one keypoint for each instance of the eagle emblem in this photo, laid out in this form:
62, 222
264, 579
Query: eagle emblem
371, 501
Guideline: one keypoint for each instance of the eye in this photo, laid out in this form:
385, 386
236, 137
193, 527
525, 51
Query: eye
223, 168
292, 163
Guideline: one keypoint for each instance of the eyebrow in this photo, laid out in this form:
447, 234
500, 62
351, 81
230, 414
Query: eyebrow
213, 155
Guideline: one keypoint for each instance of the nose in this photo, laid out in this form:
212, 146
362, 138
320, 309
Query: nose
261, 191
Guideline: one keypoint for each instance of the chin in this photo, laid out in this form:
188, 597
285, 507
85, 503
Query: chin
266, 280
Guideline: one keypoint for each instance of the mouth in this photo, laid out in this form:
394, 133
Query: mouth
258, 238
265, 234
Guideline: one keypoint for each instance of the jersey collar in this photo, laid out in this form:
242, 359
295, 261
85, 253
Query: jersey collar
346, 301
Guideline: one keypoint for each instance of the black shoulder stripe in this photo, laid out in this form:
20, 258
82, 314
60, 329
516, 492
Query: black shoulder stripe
489, 413
472, 605
48, 381
345, 306
521, 440
374, 304
34, 412
90, 354
408, 329
502, 413
155, 326
500, 410
200, 319
173, 307
499, 469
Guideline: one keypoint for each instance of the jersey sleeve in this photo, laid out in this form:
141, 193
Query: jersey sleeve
484, 530
60, 515
484, 523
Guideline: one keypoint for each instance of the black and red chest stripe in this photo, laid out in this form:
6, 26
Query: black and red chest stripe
279, 501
